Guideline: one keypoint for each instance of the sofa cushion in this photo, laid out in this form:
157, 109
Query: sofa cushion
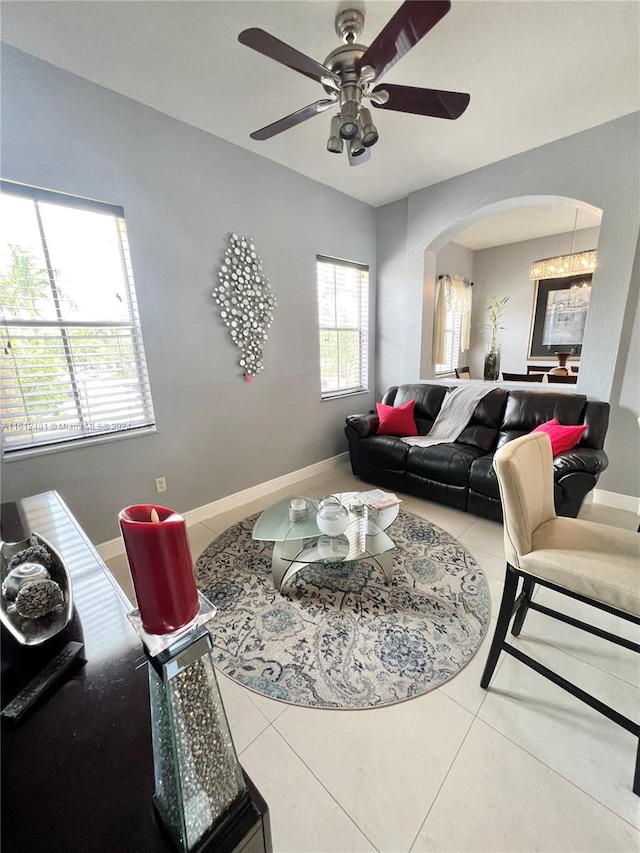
428, 400
562, 437
482, 477
384, 451
528, 409
396, 420
484, 425
444, 463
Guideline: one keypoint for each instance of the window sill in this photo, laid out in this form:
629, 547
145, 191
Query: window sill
335, 395
31, 452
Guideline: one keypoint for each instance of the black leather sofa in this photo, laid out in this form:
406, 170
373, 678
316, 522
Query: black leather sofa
461, 474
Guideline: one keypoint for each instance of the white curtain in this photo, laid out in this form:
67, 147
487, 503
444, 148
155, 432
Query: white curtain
453, 297
440, 320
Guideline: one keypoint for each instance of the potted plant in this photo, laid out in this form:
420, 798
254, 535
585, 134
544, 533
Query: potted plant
495, 310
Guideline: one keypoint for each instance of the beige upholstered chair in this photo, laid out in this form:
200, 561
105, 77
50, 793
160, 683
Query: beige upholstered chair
462, 372
594, 563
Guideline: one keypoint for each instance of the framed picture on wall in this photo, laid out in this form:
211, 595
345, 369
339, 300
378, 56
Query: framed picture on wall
560, 307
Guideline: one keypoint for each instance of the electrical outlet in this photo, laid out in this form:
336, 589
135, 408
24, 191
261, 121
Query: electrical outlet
161, 484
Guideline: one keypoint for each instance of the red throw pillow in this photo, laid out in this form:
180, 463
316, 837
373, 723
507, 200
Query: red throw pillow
562, 437
396, 420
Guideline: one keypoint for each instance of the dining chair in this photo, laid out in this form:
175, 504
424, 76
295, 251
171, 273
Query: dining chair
596, 564
522, 377
571, 379
462, 372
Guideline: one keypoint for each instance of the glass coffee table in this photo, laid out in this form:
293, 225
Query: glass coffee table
297, 544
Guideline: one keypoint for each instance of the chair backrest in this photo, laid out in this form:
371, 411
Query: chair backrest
523, 377
524, 468
568, 380
462, 372
538, 368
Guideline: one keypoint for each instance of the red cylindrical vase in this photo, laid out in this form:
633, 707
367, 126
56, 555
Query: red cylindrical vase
155, 539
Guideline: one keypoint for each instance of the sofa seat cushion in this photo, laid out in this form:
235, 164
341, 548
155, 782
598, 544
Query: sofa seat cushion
443, 463
384, 451
482, 477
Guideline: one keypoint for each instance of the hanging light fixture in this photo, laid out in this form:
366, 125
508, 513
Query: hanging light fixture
579, 263
335, 143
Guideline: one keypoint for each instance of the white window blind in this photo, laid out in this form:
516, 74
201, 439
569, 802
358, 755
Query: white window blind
452, 332
343, 309
73, 365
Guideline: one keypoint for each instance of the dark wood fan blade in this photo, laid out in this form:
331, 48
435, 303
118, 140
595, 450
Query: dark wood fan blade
361, 158
411, 22
424, 102
272, 47
291, 120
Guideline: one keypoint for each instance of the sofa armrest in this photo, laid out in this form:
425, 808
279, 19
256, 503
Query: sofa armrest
580, 459
363, 425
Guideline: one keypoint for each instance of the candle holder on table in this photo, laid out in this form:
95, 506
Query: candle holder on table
199, 783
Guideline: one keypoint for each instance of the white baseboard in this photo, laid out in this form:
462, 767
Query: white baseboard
115, 547
616, 500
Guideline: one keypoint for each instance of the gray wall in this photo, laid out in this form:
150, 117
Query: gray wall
504, 271
600, 167
183, 192
391, 310
623, 437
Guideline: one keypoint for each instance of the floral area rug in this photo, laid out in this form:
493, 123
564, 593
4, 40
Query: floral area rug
337, 636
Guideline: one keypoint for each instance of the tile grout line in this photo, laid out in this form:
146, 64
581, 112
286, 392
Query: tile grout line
433, 802
557, 773
324, 787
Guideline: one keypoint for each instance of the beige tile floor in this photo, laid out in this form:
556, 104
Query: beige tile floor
521, 767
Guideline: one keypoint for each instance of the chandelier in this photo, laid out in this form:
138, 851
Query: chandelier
564, 265
578, 263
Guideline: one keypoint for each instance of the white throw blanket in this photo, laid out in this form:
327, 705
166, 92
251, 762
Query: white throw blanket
455, 413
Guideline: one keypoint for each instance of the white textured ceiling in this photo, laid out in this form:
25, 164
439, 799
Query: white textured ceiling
537, 70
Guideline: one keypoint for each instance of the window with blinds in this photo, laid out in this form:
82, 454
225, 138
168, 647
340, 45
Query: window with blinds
452, 334
73, 364
343, 309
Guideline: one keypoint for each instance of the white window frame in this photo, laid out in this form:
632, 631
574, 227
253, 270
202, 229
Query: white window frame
356, 276
27, 434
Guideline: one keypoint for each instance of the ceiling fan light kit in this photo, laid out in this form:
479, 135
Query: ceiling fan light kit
352, 72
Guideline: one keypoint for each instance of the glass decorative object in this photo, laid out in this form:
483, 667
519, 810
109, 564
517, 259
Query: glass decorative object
332, 517
199, 783
198, 779
36, 598
246, 302
492, 363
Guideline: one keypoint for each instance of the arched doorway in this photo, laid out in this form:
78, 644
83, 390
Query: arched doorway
498, 243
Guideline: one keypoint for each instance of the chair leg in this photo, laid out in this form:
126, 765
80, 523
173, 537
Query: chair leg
504, 617
527, 592
636, 778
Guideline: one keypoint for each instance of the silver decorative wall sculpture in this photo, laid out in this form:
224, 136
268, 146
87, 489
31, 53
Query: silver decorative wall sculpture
246, 302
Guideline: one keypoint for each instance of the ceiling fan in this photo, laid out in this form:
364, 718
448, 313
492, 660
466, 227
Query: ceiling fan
351, 72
